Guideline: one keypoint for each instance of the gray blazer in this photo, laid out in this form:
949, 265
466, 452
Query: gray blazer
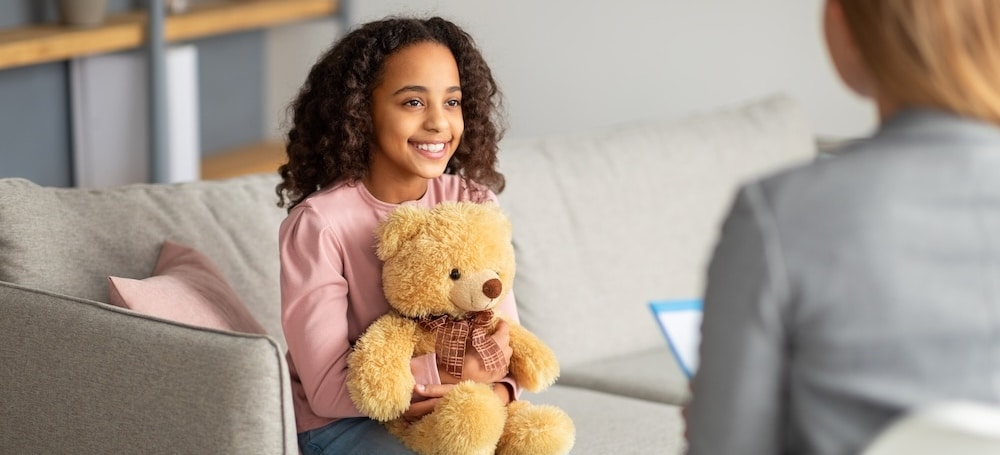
850, 289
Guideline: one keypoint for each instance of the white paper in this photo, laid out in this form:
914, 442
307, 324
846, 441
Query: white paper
680, 321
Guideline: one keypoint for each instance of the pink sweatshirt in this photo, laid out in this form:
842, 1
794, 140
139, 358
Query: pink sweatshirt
331, 290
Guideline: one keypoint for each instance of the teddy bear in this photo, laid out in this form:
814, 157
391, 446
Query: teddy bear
444, 271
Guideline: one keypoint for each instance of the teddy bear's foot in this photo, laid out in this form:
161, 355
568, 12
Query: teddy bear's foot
467, 421
536, 430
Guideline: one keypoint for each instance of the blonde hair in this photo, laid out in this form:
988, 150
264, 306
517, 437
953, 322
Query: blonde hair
932, 53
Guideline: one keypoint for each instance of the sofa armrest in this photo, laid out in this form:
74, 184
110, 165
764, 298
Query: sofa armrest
83, 377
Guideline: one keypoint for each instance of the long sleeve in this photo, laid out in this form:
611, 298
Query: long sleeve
738, 404
314, 313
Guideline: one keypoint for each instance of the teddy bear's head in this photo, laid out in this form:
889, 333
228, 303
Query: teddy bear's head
449, 260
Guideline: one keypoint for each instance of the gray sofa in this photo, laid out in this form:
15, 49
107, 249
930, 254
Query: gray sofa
605, 221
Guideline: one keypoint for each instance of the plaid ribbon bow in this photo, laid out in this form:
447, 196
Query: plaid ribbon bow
452, 336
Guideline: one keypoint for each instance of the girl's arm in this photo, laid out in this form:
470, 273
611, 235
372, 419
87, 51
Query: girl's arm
314, 312
739, 401
314, 315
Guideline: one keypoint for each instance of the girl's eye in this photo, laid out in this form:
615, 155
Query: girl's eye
454, 103
455, 274
413, 103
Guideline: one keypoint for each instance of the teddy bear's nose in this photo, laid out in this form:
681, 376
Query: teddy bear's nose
492, 288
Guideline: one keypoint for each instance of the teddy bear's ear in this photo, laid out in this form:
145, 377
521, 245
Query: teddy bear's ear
402, 224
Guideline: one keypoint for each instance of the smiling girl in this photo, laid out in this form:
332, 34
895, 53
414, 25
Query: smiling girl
399, 111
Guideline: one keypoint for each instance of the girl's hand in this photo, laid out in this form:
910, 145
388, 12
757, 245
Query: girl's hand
433, 393
474, 369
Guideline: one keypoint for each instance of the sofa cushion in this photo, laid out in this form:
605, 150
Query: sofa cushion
185, 287
70, 240
652, 375
608, 220
613, 424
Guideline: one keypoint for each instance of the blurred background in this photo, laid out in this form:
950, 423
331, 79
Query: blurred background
564, 66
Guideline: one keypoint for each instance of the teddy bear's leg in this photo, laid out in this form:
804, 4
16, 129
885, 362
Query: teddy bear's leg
467, 421
536, 430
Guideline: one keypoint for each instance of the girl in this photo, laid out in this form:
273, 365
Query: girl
850, 290
399, 111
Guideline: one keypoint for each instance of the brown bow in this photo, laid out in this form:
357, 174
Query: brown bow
452, 336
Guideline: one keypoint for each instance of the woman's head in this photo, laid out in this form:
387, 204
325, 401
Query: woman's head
921, 53
333, 134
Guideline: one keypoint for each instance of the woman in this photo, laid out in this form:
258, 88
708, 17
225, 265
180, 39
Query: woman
847, 291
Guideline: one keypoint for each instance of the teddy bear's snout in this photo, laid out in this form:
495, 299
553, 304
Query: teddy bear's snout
492, 288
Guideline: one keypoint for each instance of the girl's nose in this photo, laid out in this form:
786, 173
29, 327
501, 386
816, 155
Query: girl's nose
435, 119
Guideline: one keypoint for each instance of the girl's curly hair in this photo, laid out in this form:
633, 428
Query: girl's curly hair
331, 133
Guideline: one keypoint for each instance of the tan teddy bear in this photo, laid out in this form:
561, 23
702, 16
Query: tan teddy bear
444, 271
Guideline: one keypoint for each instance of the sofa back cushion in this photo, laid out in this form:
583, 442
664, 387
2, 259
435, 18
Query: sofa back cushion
606, 221
69, 240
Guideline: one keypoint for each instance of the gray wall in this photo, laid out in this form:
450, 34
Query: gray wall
34, 124
35, 135
231, 90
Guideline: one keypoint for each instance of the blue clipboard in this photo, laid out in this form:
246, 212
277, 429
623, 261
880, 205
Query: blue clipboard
680, 323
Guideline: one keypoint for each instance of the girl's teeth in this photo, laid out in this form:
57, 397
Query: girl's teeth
433, 148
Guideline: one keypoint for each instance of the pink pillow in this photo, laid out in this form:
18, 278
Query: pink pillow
185, 287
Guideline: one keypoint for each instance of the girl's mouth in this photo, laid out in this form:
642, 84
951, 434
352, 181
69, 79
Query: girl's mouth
431, 149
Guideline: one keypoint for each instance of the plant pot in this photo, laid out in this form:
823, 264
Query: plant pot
83, 13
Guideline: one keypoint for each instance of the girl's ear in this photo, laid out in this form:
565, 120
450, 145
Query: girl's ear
403, 224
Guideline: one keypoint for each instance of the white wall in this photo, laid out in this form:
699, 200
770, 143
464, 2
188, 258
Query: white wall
568, 65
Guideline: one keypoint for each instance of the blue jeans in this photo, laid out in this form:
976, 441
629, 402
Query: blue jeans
354, 436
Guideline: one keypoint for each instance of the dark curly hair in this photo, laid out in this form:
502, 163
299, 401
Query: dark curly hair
331, 133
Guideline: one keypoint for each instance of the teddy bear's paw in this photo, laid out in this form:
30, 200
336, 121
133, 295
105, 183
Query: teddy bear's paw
536, 430
384, 399
467, 421
379, 379
533, 364
535, 373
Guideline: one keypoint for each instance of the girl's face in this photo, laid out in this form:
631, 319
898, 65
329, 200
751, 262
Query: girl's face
417, 119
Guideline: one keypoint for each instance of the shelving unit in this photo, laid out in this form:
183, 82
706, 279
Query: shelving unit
43, 43
264, 157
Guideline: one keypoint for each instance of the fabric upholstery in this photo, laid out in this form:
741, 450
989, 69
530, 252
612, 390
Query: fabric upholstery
70, 240
613, 424
86, 378
606, 221
651, 374
186, 287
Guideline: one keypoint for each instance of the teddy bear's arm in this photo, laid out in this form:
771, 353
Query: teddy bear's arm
533, 365
378, 370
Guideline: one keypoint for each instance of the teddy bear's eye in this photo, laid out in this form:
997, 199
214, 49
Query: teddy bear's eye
455, 274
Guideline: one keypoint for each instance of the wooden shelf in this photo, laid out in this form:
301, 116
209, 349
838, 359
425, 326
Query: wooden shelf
51, 42
251, 159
